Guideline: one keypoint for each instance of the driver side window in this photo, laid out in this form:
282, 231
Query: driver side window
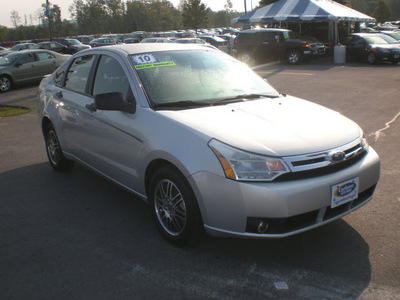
26, 58
110, 77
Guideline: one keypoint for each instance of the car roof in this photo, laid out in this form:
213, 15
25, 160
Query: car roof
264, 29
149, 47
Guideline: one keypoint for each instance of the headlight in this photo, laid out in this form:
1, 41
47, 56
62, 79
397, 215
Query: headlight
244, 166
364, 142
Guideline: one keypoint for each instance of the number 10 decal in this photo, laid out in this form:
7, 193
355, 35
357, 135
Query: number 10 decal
142, 59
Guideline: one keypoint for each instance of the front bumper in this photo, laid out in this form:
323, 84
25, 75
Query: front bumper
231, 208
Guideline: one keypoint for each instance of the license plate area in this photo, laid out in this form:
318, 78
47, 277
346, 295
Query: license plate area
344, 192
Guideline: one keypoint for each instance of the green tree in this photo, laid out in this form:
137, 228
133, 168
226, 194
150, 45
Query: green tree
382, 12
345, 2
266, 2
194, 14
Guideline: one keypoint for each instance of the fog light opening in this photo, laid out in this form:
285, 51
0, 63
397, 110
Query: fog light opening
262, 227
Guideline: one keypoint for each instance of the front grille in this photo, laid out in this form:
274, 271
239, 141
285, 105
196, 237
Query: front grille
322, 163
302, 221
320, 171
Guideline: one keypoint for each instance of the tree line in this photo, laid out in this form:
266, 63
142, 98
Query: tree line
116, 16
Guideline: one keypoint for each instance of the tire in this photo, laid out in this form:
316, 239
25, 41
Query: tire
5, 83
293, 57
371, 59
174, 207
247, 58
54, 151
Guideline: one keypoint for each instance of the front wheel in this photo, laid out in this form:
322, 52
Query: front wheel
174, 207
5, 83
294, 57
54, 151
371, 58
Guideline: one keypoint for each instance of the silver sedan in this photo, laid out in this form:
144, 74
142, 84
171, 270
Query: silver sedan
205, 141
27, 66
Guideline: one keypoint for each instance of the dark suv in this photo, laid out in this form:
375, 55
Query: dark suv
259, 45
72, 45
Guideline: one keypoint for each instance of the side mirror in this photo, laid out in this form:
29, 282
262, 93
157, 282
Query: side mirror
113, 101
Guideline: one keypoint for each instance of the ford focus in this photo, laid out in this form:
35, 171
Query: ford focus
209, 144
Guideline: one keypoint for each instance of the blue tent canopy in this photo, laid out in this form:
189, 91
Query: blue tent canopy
304, 10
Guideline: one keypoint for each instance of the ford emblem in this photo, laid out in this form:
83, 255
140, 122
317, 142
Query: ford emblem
337, 156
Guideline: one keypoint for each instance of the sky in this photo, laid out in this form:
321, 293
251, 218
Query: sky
30, 7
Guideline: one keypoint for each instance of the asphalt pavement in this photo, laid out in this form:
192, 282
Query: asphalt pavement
77, 236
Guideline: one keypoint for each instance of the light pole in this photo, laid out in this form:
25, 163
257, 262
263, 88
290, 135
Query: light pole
245, 7
47, 13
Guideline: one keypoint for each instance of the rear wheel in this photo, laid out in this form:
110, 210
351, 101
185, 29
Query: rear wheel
54, 151
5, 83
174, 207
247, 58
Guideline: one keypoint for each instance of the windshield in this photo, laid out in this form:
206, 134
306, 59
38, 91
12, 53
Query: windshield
390, 39
395, 35
375, 40
197, 77
15, 48
8, 59
73, 42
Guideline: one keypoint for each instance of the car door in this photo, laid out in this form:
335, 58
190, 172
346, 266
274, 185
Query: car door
104, 140
267, 44
356, 48
24, 68
45, 63
112, 140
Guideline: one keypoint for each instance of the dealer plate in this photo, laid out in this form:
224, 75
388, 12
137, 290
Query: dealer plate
344, 192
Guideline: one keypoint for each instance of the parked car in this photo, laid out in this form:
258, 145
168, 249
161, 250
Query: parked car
205, 141
140, 35
217, 42
53, 46
260, 45
131, 40
371, 47
72, 45
102, 42
18, 47
27, 66
190, 41
84, 39
22, 46
2, 48
158, 40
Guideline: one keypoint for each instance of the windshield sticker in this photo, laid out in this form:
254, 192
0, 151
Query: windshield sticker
142, 59
155, 65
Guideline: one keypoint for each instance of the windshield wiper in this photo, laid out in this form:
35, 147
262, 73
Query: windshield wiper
243, 97
179, 104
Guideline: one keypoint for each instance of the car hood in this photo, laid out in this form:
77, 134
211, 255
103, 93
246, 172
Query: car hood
279, 127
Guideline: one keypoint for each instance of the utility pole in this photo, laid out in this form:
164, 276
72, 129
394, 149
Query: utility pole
245, 7
47, 13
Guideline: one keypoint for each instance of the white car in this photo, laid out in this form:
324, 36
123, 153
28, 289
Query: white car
205, 141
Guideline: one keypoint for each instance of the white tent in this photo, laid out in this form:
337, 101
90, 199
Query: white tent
304, 10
